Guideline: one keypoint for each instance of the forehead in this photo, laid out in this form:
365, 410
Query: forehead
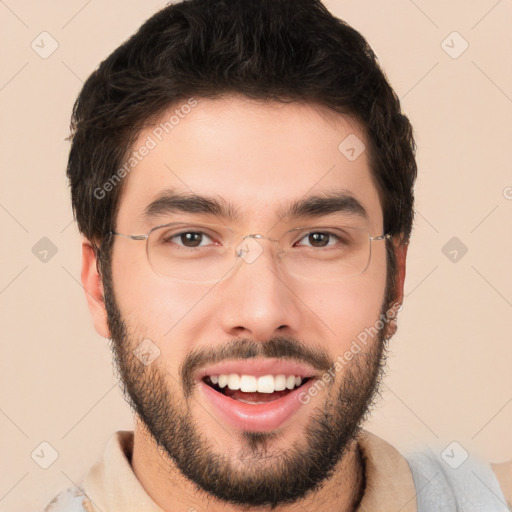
255, 159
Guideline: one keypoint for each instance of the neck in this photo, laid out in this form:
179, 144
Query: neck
170, 490
361, 479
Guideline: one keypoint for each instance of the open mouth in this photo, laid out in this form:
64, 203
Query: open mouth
267, 402
252, 397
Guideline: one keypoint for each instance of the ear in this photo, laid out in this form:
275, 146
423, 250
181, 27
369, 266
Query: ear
93, 287
401, 256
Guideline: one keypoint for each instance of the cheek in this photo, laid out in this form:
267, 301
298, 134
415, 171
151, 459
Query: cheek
348, 308
152, 306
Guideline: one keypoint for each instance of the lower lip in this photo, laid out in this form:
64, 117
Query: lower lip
257, 417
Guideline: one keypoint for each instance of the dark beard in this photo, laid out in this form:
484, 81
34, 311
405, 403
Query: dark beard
252, 477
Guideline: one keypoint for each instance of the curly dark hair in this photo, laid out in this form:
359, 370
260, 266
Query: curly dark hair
280, 50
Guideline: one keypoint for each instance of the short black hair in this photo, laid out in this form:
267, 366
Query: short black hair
281, 50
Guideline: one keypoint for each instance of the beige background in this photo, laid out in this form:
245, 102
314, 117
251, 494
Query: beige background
449, 372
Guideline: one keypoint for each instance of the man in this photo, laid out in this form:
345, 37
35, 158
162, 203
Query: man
243, 178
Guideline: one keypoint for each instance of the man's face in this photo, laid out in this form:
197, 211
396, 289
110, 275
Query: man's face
259, 159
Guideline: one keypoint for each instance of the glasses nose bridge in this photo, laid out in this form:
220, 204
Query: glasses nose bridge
249, 252
259, 236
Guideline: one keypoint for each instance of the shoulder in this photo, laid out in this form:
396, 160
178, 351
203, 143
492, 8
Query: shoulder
455, 478
72, 499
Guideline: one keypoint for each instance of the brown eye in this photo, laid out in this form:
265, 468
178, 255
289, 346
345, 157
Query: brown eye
189, 239
320, 239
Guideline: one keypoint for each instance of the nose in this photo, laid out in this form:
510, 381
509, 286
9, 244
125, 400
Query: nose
257, 299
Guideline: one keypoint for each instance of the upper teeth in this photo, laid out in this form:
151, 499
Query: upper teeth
250, 383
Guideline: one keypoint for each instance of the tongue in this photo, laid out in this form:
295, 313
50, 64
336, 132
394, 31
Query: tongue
236, 394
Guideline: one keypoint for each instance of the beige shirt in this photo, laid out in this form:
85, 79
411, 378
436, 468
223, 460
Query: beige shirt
111, 485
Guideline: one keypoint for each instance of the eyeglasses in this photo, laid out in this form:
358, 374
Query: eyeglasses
208, 252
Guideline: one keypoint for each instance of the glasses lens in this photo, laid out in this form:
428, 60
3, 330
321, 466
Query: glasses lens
328, 253
190, 252
209, 253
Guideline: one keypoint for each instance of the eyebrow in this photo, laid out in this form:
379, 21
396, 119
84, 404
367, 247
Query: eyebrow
310, 207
